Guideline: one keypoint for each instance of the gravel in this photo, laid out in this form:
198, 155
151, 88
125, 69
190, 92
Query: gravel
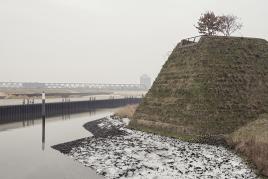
117, 152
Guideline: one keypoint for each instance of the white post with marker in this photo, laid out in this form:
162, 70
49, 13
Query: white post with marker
43, 104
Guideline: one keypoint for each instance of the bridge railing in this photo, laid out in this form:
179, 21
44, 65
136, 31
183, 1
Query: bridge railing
73, 86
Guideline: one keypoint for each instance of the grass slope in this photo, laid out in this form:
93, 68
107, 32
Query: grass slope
211, 88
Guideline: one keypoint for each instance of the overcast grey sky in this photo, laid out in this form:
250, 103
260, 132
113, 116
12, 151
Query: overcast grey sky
105, 41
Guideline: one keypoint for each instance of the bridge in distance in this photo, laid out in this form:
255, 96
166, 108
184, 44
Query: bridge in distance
93, 86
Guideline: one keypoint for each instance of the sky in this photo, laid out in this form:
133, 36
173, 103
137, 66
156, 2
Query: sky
105, 41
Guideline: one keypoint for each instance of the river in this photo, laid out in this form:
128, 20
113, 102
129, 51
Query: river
24, 157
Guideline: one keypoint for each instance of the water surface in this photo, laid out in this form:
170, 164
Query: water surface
22, 155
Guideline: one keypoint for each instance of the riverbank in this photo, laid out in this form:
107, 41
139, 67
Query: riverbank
251, 141
117, 152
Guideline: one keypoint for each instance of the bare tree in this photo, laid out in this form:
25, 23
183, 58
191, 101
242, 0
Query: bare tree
208, 24
228, 24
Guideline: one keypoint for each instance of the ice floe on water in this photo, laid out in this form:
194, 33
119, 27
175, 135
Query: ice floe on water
118, 152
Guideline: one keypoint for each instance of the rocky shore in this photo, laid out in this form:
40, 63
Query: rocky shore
117, 152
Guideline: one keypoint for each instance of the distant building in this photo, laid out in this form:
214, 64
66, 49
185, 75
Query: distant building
146, 81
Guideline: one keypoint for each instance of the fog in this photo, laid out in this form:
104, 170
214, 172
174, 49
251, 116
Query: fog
105, 41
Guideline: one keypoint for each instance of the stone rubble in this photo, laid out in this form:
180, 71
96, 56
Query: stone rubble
117, 152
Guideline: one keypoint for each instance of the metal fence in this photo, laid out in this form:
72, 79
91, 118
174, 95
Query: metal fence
16, 113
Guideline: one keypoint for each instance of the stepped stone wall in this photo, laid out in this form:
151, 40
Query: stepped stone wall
210, 88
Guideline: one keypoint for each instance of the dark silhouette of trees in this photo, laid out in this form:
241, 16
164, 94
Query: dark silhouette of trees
229, 24
210, 24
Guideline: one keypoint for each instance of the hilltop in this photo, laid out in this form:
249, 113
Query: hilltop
212, 87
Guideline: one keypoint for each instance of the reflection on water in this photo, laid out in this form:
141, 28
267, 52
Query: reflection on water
32, 122
22, 156
26, 123
64, 117
43, 131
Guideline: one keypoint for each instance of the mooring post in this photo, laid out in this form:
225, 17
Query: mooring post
43, 119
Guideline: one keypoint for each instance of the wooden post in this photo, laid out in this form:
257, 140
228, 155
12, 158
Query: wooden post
43, 119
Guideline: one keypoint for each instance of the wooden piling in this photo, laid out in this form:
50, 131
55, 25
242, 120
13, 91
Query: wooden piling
43, 119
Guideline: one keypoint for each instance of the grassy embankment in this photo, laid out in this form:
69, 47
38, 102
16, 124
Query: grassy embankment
207, 91
251, 141
210, 89
127, 111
